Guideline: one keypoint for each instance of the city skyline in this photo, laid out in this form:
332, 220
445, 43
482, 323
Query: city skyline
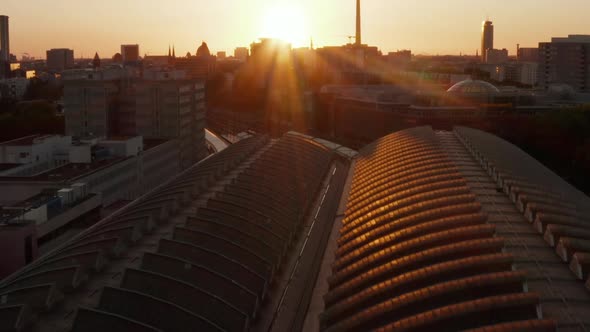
456, 25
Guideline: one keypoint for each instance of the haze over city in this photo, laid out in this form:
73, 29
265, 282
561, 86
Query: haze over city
426, 26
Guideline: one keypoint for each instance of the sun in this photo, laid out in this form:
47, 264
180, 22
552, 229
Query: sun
286, 22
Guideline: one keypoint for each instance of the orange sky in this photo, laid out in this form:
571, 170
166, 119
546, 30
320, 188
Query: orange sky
425, 26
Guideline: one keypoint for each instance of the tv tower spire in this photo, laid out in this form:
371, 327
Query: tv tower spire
358, 22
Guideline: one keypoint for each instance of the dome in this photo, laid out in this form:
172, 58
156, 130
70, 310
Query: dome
203, 50
473, 87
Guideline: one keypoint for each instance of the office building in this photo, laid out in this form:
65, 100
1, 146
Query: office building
4, 39
4, 47
358, 40
494, 56
60, 59
90, 104
130, 53
565, 61
163, 104
221, 55
421, 230
172, 107
241, 53
400, 59
487, 39
528, 73
13, 88
528, 54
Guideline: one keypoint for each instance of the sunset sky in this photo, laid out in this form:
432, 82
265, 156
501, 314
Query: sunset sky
424, 26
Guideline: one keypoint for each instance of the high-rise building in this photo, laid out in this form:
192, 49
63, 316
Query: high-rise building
487, 39
494, 56
565, 61
358, 23
4, 47
130, 53
162, 104
4, 39
221, 55
169, 106
241, 53
60, 59
528, 54
89, 105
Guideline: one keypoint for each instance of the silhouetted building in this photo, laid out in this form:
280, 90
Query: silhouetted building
198, 67
494, 56
5, 57
221, 55
60, 59
349, 64
96, 61
487, 39
241, 53
528, 54
130, 53
203, 50
117, 58
4, 39
358, 40
565, 61
399, 59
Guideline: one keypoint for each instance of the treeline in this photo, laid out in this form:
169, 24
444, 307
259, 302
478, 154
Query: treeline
18, 119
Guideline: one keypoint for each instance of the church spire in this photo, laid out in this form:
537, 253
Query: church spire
96, 61
173, 51
169, 54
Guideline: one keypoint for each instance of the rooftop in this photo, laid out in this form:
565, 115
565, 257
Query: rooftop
24, 141
69, 171
426, 230
475, 87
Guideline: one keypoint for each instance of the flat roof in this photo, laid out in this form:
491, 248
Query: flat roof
7, 166
150, 143
118, 138
66, 172
27, 140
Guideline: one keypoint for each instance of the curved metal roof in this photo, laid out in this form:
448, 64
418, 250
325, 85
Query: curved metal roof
428, 242
170, 263
470, 86
441, 230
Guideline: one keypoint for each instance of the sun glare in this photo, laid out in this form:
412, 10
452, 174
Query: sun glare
286, 22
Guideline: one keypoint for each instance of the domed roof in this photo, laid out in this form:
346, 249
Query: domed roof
203, 50
470, 86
